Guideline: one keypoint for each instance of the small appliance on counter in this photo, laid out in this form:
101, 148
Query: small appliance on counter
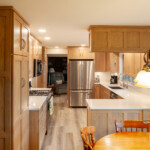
114, 79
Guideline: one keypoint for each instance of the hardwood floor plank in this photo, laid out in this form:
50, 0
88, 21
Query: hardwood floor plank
64, 126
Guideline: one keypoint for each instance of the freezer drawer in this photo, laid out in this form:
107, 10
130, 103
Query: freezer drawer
78, 97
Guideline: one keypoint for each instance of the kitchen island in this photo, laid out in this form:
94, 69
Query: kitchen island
101, 113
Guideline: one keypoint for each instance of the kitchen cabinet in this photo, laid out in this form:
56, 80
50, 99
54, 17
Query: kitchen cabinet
21, 36
100, 92
133, 63
106, 62
97, 89
38, 123
119, 38
21, 102
105, 93
100, 62
80, 53
14, 79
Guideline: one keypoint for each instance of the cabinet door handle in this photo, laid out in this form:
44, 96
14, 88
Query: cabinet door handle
23, 43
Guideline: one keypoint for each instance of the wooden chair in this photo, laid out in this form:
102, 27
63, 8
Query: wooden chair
122, 126
87, 134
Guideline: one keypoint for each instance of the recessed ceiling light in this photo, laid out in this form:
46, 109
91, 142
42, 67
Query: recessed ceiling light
83, 45
42, 30
56, 46
47, 38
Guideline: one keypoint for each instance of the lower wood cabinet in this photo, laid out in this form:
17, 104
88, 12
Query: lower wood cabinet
38, 121
97, 91
103, 120
100, 92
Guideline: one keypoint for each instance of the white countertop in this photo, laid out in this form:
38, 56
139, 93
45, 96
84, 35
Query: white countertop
132, 100
36, 102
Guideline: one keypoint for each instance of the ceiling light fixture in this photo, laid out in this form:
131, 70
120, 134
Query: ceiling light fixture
143, 77
42, 30
47, 38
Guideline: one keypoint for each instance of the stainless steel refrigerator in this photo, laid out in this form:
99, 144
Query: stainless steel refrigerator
81, 82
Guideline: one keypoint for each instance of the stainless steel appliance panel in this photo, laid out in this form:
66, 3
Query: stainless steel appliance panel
78, 97
81, 74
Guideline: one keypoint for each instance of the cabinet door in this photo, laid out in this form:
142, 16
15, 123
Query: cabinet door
25, 130
21, 36
97, 91
100, 62
137, 61
129, 64
20, 102
24, 83
17, 35
99, 40
114, 62
86, 54
25, 40
74, 53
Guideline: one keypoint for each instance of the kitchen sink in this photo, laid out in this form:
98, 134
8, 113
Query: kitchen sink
115, 87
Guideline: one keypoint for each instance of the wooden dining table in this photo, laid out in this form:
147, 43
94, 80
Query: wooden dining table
124, 141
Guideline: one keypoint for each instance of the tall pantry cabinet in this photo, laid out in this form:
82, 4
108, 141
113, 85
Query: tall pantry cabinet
14, 80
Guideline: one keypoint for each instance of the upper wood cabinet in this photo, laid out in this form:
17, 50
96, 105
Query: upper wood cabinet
100, 62
21, 36
119, 38
80, 53
106, 62
133, 63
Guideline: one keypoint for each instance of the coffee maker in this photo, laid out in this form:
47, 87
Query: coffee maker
114, 79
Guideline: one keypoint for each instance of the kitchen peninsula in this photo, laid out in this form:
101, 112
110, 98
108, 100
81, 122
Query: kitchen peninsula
101, 113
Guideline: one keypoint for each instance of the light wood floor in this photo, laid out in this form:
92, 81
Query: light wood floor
65, 125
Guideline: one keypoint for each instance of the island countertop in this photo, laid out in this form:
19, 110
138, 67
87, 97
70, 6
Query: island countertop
36, 102
132, 100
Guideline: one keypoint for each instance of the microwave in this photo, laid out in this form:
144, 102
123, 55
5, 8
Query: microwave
37, 67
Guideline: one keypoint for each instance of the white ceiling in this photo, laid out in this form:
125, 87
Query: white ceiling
67, 21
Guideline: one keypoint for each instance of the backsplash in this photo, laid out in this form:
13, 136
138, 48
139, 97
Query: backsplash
103, 76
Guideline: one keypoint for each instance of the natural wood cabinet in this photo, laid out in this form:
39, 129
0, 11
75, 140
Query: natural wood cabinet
104, 119
38, 123
133, 63
100, 92
106, 62
97, 92
119, 38
104, 93
100, 62
14, 78
80, 53
21, 102
21, 36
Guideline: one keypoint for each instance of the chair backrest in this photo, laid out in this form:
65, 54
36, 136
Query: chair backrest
87, 134
131, 125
